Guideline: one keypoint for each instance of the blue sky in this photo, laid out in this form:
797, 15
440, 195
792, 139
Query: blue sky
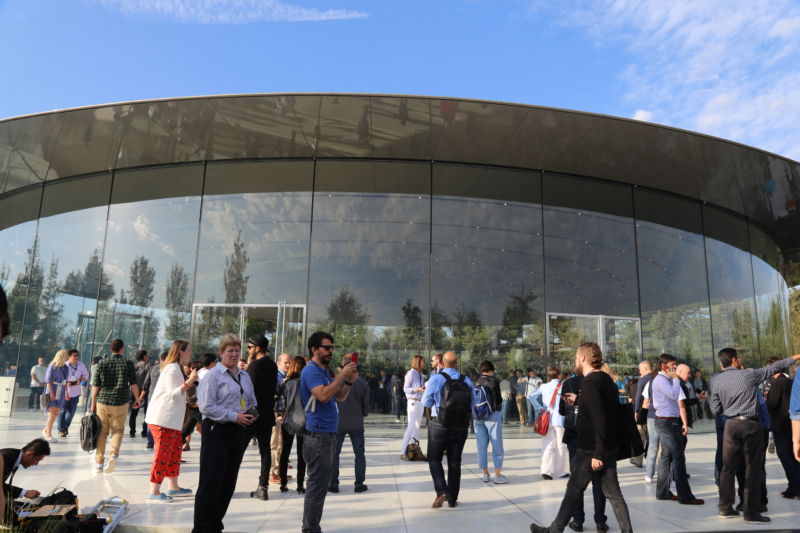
729, 68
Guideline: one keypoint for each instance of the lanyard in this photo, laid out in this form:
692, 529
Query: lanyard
238, 381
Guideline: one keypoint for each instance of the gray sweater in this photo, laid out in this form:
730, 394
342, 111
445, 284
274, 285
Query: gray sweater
353, 410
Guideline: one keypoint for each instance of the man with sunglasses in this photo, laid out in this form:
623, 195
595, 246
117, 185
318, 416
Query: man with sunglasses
322, 423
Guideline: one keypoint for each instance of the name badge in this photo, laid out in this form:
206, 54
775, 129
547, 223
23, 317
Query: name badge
241, 401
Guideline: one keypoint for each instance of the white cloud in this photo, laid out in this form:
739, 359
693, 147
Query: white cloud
728, 68
643, 115
229, 11
142, 227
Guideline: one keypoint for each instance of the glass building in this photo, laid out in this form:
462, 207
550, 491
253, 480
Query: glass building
402, 225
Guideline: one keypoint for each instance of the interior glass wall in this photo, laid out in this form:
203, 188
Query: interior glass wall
487, 279
149, 257
672, 283
370, 259
590, 263
730, 284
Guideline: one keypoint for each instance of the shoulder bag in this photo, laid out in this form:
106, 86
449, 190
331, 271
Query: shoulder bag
542, 424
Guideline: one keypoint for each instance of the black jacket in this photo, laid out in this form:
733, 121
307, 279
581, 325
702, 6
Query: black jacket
780, 390
264, 375
688, 403
10, 456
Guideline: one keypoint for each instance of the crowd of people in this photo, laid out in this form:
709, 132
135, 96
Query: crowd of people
589, 419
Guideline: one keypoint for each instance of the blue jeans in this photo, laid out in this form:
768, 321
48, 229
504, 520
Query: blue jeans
67, 413
504, 411
357, 440
490, 430
652, 448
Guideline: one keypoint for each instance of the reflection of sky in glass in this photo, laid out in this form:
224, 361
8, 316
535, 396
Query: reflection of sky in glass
275, 229
163, 231
14, 252
375, 244
590, 262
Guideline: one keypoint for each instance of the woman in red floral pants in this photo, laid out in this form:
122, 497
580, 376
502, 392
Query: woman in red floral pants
165, 421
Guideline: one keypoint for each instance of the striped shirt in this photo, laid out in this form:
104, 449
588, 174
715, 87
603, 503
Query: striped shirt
733, 391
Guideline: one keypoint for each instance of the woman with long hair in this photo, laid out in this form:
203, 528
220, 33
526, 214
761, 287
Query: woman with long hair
55, 382
164, 419
292, 380
555, 460
413, 387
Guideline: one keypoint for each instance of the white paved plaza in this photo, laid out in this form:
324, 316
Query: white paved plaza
400, 493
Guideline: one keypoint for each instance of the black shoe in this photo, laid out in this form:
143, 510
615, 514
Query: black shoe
536, 528
757, 518
728, 513
602, 526
133, 434
284, 488
334, 489
574, 526
548, 478
451, 503
301, 490
789, 496
564, 476
144, 434
148, 447
260, 494
361, 488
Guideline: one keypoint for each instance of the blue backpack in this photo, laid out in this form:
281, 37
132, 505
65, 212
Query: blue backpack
483, 400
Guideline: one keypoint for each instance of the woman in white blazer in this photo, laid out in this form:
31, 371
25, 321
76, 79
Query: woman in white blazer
164, 419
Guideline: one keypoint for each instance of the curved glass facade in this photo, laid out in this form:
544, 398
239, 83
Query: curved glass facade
394, 257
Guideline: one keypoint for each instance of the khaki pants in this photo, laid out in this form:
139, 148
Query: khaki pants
275, 445
522, 408
112, 419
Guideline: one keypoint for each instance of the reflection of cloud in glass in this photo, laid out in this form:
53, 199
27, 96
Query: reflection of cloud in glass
142, 227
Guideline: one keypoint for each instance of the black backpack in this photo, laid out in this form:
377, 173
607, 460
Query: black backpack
455, 410
90, 429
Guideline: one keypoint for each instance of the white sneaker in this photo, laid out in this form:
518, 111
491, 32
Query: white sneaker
98, 468
500, 480
486, 478
112, 464
648, 479
672, 487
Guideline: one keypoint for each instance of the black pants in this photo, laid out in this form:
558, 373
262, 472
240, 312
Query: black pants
743, 441
581, 475
783, 447
221, 454
286, 449
35, 399
262, 433
440, 439
763, 462
597, 493
193, 417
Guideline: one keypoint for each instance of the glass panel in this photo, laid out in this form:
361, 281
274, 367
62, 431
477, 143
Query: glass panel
370, 259
210, 323
673, 288
589, 245
66, 271
730, 275
150, 255
254, 233
486, 278
769, 295
622, 344
18, 254
566, 333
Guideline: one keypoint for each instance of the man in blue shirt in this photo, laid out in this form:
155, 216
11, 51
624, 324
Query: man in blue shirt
794, 415
322, 422
443, 437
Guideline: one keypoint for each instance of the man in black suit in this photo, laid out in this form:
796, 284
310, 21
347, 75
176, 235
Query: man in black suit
12, 459
264, 374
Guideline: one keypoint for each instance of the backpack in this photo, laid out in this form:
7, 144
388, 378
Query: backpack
455, 410
484, 399
294, 415
90, 429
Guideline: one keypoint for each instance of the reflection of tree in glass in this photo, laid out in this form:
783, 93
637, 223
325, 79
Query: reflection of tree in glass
772, 333
346, 321
794, 319
142, 282
177, 303
744, 336
413, 333
234, 278
469, 334
85, 284
51, 332
439, 322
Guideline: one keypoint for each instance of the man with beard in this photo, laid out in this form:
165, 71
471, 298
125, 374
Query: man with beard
597, 429
322, 423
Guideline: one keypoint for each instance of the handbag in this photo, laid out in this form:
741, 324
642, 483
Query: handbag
641, 416
542, 424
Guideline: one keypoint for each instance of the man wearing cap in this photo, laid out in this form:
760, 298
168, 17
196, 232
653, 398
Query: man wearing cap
264, 374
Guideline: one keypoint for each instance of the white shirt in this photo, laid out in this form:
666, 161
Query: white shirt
40, 371
168, 402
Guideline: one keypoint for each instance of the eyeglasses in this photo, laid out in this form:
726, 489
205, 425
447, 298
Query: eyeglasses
328, 347
250, 346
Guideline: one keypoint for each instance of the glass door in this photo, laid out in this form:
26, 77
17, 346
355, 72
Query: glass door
620, 338
565, 332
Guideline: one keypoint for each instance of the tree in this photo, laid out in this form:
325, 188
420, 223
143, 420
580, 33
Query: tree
346, 320
177, 303
469, 334
413, 332
51, 321
235, 279
142, 282
91, 282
